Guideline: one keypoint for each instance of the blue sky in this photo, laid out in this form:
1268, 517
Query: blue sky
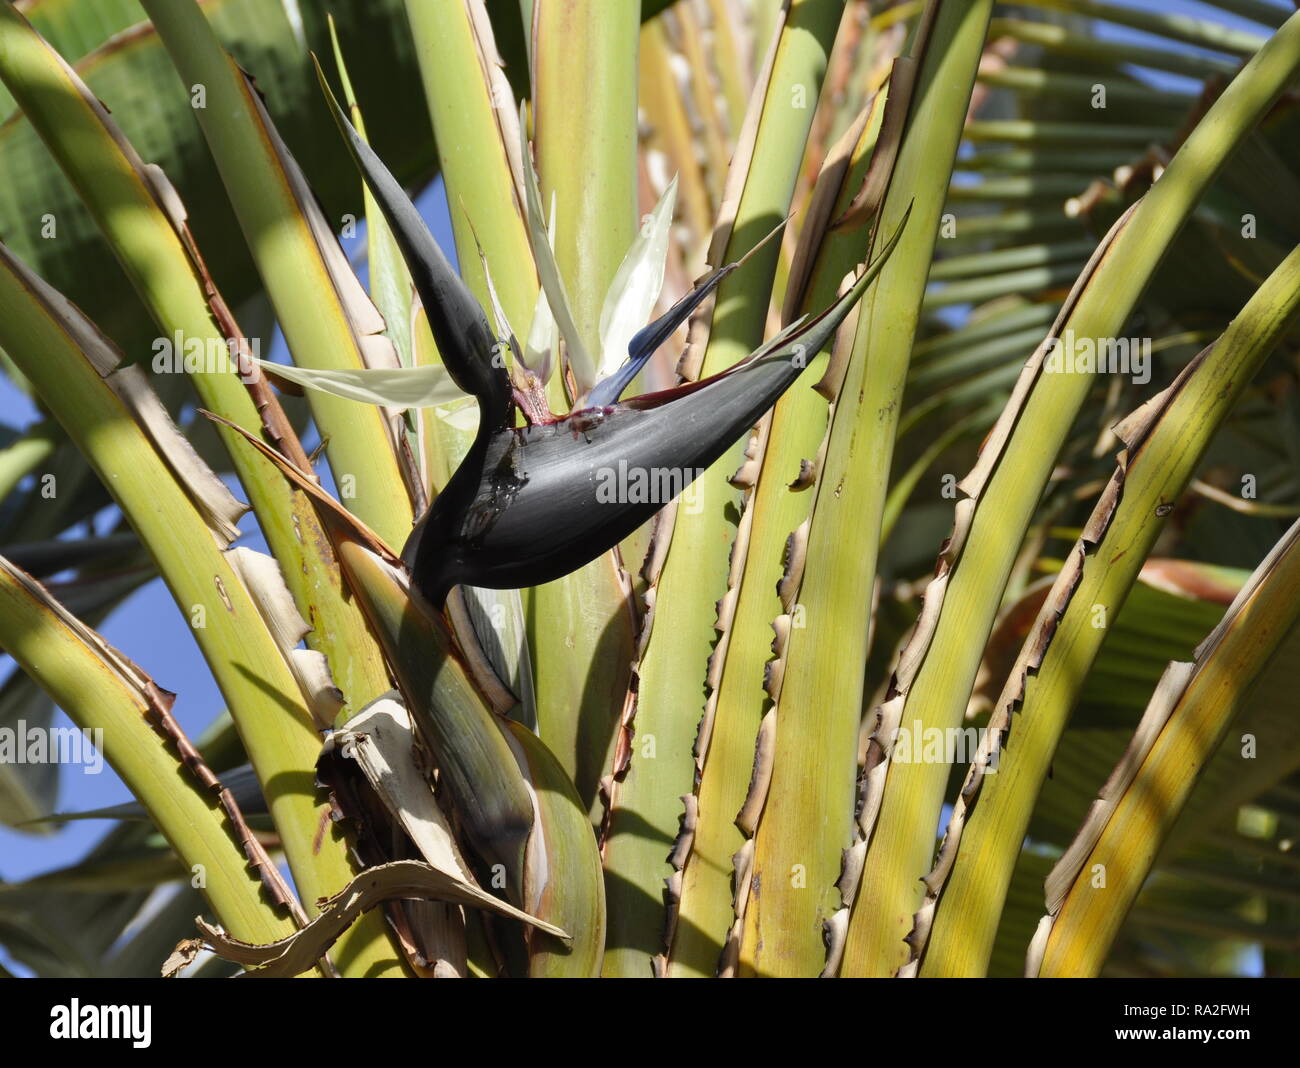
147, 627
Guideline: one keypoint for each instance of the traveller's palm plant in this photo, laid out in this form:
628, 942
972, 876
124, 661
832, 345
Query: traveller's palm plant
603, 633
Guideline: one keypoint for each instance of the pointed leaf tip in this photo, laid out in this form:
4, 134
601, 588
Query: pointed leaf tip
460, 328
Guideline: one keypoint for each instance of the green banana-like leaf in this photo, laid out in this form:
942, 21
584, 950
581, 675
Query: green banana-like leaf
563, 881
131, 73
1185, 726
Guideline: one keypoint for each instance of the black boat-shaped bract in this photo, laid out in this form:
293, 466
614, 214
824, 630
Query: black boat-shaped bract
530, 504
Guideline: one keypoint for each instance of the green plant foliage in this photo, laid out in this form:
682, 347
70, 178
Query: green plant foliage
835, 417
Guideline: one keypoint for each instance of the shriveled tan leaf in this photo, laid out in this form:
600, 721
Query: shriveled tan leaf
817, 215
381, 740
402, 879
265, 582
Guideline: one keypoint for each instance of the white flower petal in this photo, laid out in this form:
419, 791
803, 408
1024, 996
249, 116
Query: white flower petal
398, 387
637, 284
